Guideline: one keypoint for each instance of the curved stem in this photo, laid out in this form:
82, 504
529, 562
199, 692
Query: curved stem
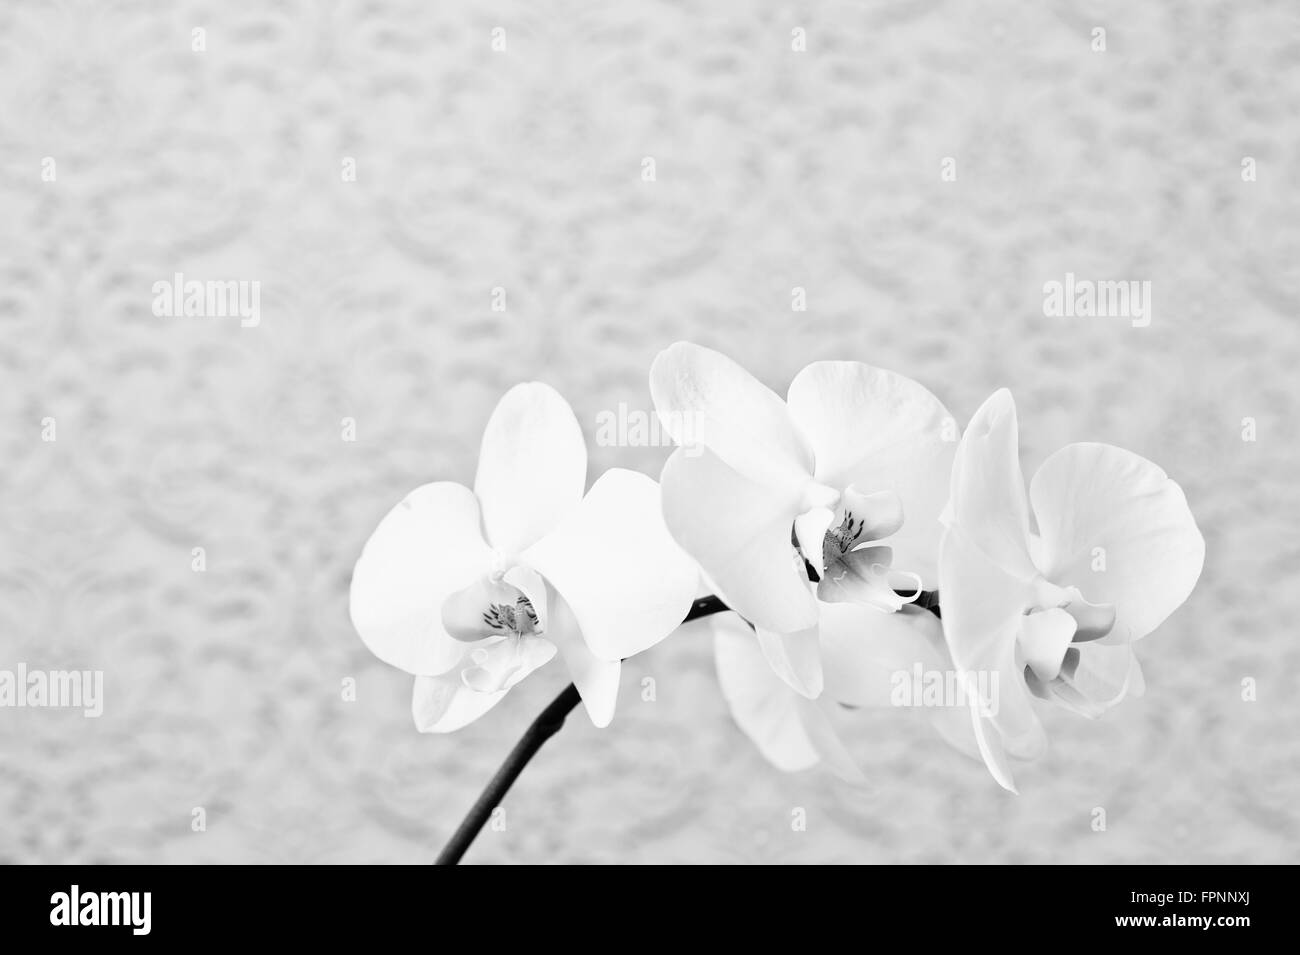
547, 724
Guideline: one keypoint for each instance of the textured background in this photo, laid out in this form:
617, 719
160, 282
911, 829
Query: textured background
522, 169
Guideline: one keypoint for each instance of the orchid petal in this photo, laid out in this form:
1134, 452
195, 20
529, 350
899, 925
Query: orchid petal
795, 658
596, 679
763, 706
1097, 676
501, 664
990, 748
532, 466
983, 607
810, 531
1092, 621
1044, 637
739, 532
427, 547
1095, 500
879, 514
988, 500
443, 704
626, 580
704, 398
815, 715
865, 650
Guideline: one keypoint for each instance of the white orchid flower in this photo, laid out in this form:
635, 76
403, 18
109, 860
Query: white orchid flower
763, 489
471, 591
865, 652
1053, 606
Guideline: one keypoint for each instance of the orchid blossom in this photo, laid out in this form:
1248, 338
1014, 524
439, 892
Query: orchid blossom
471, 591
770, 495
1050, 591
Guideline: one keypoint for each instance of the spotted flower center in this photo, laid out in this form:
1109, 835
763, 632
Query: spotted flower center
835, 538
503, 632
842, 539
518, 618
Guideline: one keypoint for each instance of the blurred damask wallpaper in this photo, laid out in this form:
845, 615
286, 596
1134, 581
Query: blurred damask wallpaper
410, 207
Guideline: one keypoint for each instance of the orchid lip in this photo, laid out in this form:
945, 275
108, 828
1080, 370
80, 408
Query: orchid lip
1091, 622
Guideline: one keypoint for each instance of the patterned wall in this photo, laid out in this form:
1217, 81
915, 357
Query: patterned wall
522, 169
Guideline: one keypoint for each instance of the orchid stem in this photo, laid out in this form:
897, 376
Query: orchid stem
546, 725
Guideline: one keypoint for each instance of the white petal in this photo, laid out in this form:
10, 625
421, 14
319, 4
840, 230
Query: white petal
596, 679
764, 707
1044, 637
739, 532
1092, 621
504, 662
982, 612
879, 514
869, 655
810, 531
1137, 684
880, 431
1097, 677
982, 604
704, 398
865, 652
795, 658
442, 704
532, 466
991, 750
427, 547
816, 716
988, 501
627, 581
1089, 496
